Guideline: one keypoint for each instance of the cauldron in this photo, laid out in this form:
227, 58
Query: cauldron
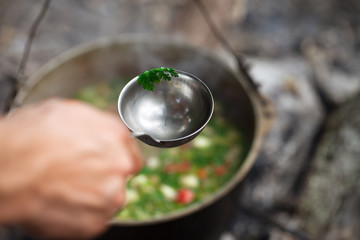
127, 56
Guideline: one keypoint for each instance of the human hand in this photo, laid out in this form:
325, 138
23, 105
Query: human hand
63, 168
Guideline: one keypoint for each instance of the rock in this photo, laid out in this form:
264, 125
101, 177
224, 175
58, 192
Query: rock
227, 236
285, 150
248, 227
337, 78
268, 190
276, 234
331, 194
346, 223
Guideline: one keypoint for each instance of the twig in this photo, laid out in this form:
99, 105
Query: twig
31, 36
268, 220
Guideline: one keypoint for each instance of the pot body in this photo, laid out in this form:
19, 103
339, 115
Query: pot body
104, 60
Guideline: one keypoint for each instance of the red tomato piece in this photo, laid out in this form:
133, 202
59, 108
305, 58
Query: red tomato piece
178, 167
220, 170
171, 168
185, 196
184, 166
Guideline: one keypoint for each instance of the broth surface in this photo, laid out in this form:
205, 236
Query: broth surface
175, 178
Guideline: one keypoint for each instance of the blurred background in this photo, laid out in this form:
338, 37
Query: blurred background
305, 56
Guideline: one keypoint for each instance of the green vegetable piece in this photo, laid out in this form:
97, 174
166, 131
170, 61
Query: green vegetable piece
148, 78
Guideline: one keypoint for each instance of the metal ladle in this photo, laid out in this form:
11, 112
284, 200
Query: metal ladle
170, 116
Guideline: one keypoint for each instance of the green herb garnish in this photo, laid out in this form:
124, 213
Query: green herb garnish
148, 78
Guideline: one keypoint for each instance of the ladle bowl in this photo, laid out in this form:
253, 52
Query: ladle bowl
171, 115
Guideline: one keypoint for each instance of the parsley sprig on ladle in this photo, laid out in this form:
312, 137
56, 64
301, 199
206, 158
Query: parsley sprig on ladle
148, 78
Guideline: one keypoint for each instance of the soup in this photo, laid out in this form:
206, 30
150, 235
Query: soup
175, 178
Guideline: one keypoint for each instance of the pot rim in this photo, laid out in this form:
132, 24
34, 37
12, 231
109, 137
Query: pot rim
261, 121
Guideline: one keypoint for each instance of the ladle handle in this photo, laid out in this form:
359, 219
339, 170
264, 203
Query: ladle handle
140, 134
225, 44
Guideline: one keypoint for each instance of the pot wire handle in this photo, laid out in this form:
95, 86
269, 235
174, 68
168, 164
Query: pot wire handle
268, 109
222, 40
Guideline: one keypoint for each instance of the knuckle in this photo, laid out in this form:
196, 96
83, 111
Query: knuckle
137, 165
119, 199
113, 194
121, 169
128, 167
51, 102
123, 164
